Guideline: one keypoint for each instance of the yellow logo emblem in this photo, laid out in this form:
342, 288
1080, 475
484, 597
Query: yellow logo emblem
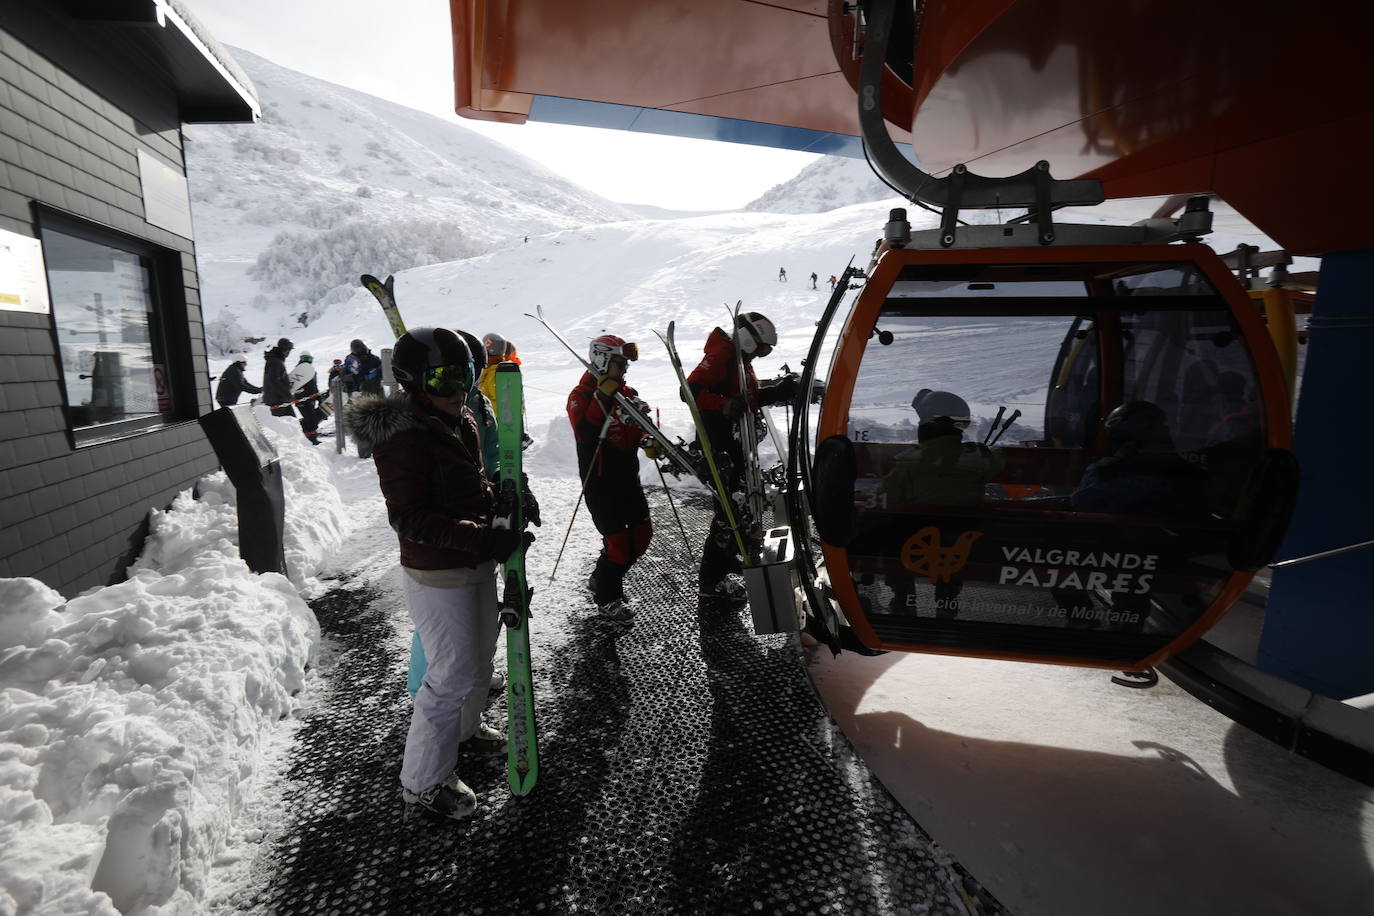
924, 555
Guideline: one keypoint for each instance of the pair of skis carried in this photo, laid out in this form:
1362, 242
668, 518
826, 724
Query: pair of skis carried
522, 742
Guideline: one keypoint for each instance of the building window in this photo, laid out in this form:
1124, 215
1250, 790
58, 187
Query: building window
109, 330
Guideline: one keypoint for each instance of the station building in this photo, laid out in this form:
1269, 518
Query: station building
102, 352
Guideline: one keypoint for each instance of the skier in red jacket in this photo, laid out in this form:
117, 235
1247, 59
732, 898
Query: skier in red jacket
608, 461
723, 400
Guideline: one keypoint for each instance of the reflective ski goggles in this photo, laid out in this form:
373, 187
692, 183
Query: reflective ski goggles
626, 351
446, 381
762, 349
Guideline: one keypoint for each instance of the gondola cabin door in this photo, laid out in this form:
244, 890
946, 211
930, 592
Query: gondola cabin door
1108, 523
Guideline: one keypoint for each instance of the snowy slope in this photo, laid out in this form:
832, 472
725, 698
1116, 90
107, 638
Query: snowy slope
633, 278
826, 184
332, 179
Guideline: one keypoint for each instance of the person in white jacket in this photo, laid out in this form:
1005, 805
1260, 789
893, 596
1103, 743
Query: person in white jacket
303, 384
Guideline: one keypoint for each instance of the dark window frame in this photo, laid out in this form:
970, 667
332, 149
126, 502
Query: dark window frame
168, 331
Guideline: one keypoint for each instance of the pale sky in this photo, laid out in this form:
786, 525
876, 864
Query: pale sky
401, 50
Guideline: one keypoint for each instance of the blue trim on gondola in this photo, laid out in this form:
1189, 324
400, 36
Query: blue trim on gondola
583, 113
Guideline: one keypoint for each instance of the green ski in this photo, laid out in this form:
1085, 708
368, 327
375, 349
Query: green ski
522, 755
727, 504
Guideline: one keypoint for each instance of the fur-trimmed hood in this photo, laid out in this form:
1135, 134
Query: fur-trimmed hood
372, 419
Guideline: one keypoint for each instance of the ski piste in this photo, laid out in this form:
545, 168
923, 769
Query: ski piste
386, 297
522, 745
753, 479
627, 407
722, 491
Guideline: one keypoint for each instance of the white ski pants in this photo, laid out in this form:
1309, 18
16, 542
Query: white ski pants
458, 628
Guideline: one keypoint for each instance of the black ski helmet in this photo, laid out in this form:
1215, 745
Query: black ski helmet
419, 350
475, 348
357, 347
495, 345
1138, 421
930, 404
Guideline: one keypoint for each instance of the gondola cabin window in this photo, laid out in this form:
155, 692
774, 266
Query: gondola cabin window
1051, 456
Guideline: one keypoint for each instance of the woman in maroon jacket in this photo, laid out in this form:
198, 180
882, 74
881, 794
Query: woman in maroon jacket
428, 453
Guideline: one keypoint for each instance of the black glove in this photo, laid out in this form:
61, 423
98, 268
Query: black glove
784, 391
735, 407
502, 542
528, 502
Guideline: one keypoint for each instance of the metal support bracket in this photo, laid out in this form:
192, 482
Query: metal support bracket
1033, 188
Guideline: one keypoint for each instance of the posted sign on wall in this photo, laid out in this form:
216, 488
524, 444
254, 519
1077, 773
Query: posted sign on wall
23, 283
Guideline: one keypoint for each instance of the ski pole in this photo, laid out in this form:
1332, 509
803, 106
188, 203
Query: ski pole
669, 494
1005, 426
993, 428
591, 465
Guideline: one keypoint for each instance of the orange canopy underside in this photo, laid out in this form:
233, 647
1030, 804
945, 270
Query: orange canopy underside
1265, 104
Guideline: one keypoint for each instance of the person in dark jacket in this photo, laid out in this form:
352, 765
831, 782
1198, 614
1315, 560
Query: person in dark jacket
276, 382
232, 383
362, 370
1146, 475
608, 462
427, 450
724, 399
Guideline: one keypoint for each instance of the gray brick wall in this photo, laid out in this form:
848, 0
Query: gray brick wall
73, 115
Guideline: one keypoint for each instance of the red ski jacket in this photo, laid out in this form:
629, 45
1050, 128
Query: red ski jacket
587, 412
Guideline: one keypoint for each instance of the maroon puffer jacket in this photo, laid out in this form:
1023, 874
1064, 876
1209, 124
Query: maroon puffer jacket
437, 499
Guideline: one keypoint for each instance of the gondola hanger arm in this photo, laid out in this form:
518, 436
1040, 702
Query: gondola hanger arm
1033, 188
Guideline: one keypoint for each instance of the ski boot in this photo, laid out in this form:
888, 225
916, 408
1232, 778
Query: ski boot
617, 609
452, 800
486, 741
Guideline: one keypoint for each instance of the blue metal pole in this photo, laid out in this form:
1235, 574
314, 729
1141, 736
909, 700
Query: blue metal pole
1319, 622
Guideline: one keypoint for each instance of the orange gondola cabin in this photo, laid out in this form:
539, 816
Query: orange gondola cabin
1107, 516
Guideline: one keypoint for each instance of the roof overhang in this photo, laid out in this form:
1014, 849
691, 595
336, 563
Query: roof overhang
705, 69
210, 87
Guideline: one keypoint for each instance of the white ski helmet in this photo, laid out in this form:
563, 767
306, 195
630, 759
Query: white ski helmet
606, 347
755, 333
932, 404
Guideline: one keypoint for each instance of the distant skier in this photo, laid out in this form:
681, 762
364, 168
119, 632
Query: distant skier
814, 278
610, 466
723, 399
304, 384
232, 383
276, 384
833, 281
441, 506
782, 274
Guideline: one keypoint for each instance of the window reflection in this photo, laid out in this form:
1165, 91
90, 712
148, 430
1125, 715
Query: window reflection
103, 310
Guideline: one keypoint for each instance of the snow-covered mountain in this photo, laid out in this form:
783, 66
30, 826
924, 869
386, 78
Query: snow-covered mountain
826, 184
332, 182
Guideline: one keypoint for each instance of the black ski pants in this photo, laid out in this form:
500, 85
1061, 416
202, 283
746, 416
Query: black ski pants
621, 515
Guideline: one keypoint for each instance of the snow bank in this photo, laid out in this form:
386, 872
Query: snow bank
131, 715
